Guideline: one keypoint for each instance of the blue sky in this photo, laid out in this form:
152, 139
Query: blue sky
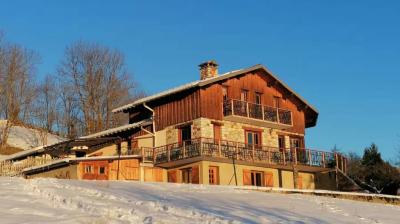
342, 56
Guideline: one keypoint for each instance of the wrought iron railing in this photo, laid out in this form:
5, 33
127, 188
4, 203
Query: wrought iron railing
257, 111
244, 152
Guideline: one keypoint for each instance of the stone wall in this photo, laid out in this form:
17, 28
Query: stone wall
231, 131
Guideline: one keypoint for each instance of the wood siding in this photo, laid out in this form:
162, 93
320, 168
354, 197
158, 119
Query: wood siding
212, 103
177, 109
207, 101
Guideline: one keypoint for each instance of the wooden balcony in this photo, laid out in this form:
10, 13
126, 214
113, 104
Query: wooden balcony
257, 114
205, 148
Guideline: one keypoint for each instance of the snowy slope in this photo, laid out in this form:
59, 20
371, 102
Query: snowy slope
27, 138
67, 201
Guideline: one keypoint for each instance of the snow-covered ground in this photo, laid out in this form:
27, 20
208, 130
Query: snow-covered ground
70, 201
27, 138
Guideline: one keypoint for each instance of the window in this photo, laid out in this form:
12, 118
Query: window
281, 143
187, 175
277, 101
88, 169
295, 143
102, 170
224, 93
185, 134
243, 95
253, 138
256, 178
213, 175
258, 98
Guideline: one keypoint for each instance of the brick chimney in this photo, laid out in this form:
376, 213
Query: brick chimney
208, 69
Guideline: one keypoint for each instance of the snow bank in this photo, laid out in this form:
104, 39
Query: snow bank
27, 138
71, 201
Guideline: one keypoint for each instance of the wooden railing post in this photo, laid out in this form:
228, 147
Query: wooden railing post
323, 159
262, 111
277, 115
142, 152
237, 151
169, 153
295, 155
247, 109
232, 107
269, 155
253, 151
184, 149
336, 159
219, 148
342, 163
309, 157
284, 156
154, 155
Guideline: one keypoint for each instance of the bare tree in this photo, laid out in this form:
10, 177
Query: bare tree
17, 89
100, 82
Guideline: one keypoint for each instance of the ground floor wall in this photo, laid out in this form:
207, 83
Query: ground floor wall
202, 172
208, 172
67, 172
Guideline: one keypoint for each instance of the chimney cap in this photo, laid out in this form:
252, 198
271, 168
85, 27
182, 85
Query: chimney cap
208, 63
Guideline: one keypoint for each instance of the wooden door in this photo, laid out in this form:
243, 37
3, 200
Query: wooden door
213, 175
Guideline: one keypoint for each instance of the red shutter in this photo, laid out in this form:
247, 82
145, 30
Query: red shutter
299, 182
246, 177
269, 179
172, 176
195, 175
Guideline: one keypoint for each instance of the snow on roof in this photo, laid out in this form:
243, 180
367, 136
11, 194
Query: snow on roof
207, 82
59, 162
117, 129
25, 153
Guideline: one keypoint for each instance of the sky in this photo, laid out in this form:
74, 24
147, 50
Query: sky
342, 56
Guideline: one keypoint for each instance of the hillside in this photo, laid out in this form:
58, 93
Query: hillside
71, 201
24, 138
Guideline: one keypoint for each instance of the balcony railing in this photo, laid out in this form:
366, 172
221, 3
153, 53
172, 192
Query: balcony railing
243, 152
257, 111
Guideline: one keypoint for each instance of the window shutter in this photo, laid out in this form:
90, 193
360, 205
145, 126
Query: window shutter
195, 175
269, 179
299, 182
172, 177
246, 177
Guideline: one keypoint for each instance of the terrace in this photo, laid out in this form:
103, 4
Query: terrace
257, 114
205, 148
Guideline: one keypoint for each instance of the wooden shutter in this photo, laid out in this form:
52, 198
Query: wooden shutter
246, 177
217, 132
195, 174
172, 176
299, 182
269, 179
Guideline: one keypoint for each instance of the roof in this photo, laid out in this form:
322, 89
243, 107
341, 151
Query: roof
56, 148
63, 162
118, 129
209, 81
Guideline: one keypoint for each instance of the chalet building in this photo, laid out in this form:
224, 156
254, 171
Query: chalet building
244, 127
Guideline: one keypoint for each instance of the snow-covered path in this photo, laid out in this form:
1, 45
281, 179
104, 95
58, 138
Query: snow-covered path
66, 201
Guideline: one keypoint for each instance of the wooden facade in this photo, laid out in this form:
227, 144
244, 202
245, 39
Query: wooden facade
207, 102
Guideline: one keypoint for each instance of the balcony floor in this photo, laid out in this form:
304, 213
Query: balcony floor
256, 122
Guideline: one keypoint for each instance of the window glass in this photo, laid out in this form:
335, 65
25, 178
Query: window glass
243, 95
102, 170
225, 93
258, 98
186, 133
